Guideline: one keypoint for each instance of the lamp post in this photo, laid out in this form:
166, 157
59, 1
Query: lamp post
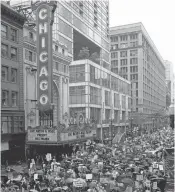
111, 131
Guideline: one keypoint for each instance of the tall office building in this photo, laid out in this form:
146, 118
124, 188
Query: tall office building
169, 78
135, 57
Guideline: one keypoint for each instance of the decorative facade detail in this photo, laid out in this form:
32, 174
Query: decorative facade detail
29, 71
65, 80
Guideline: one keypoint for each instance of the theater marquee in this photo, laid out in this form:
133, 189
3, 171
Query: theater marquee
42, 135
44, 20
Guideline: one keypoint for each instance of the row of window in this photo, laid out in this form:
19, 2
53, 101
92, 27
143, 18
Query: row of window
124, 37
95, 114
6, 100
61, 67
5, 52
12, 124
77, 96
95, 95
133, 53
8, 32
123, 62
30, 56
124, 45
8, 74
77, 74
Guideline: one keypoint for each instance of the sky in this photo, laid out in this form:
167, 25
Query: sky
157, 16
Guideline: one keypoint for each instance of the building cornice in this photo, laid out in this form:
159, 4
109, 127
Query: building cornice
10, 15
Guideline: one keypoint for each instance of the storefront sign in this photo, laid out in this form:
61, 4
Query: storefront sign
42, 135
44, 21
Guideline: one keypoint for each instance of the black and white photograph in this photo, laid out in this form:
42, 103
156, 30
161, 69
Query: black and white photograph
87, 95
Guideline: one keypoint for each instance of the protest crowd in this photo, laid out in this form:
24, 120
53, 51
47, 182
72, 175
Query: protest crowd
134, 163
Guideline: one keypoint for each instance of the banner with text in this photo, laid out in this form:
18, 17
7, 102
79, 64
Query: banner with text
42, 135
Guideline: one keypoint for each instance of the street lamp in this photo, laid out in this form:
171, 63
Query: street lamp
111, 131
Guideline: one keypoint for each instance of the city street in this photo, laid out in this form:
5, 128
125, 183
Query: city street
87, 96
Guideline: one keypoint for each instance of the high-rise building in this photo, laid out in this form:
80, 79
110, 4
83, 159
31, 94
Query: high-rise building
135, 57
12, 95
169, 78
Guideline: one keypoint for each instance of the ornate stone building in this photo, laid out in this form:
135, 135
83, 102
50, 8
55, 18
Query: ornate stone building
61, 63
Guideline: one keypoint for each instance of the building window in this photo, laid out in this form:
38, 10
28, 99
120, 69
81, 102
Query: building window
114, 55
13, 34
95, 95
30, 56
123, 62
64, 68
13, 53
133, 36
3, 30
123, 54
6, 125
4, 50
107, 98
14, 99
114, 47
95, 114
13, 75
107, 114
134, 53
105, 79
5, 98
123, 101
31, 36
114, 63
4, 73
123, 45
133, 61
95, 75
18, 124
114, 39
77, 73
134, 44
116, 100
123, 38
56, 48
77, 95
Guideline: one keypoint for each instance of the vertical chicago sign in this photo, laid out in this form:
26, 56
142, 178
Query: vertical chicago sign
44, 19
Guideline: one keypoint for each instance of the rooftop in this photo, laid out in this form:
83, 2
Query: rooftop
133, 28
